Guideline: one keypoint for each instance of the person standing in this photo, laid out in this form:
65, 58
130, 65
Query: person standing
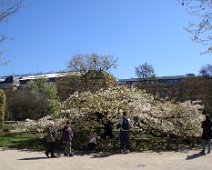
92, 141
124, 125
67, 138
51, 140
206, 134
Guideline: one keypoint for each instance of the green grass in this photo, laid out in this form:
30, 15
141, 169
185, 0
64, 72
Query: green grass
138, 143
23, 141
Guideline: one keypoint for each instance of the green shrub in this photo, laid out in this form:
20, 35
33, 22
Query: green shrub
2, 109
8, 128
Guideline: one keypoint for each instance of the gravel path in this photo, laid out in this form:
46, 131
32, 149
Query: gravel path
27, 160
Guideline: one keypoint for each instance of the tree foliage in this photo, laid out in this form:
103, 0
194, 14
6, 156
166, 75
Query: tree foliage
182, 119
23, 104
41, 86
37, 99
200, 31
2, 108
44, 88
94, 71
68, 85
91, 81
190, 88
95, 80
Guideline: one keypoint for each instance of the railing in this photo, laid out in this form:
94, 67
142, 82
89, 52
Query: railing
142, 142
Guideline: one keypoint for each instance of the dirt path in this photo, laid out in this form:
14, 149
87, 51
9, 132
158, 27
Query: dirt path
26, 160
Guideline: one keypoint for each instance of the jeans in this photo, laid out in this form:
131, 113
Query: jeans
91, 146
51, 148
67, 148
204, 143
124, 140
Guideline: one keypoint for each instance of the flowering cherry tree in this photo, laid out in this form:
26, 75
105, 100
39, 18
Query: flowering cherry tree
157, 117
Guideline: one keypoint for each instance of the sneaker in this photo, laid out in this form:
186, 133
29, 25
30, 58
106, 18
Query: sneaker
202, 152
127, 151
70, 155
53, 156
47, 154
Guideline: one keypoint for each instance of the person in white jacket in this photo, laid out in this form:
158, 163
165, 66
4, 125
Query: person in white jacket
92, 141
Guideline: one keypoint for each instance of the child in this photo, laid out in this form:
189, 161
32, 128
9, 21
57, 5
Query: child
92, 141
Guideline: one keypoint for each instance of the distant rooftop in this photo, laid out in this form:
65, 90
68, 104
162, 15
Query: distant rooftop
44, 75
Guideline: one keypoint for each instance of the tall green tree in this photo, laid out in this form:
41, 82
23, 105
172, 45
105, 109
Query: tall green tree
95, 80
91, 81
2, 109
41, 86
23, 104
68, 85
39, 98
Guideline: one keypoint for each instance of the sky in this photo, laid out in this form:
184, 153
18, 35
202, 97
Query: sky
45, 34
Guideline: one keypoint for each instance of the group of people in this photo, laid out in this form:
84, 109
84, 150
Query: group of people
67, 135
124, 124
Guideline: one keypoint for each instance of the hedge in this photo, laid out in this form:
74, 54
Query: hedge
2, 109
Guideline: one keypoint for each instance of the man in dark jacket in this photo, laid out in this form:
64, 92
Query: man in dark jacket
206, 134
124, 124
51, 140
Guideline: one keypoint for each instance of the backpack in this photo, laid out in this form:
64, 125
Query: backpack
125, 124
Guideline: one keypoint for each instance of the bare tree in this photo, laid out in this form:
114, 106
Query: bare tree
202, 30
206, 70
145, 71
7, 9
85, 63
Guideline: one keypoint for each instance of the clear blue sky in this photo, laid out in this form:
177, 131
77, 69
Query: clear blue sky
46, 33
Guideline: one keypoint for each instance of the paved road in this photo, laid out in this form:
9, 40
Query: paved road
27, 160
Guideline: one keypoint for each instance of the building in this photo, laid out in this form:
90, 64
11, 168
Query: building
21, 80
163, 80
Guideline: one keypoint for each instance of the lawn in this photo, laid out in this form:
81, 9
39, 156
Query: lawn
138, 143
23, 141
